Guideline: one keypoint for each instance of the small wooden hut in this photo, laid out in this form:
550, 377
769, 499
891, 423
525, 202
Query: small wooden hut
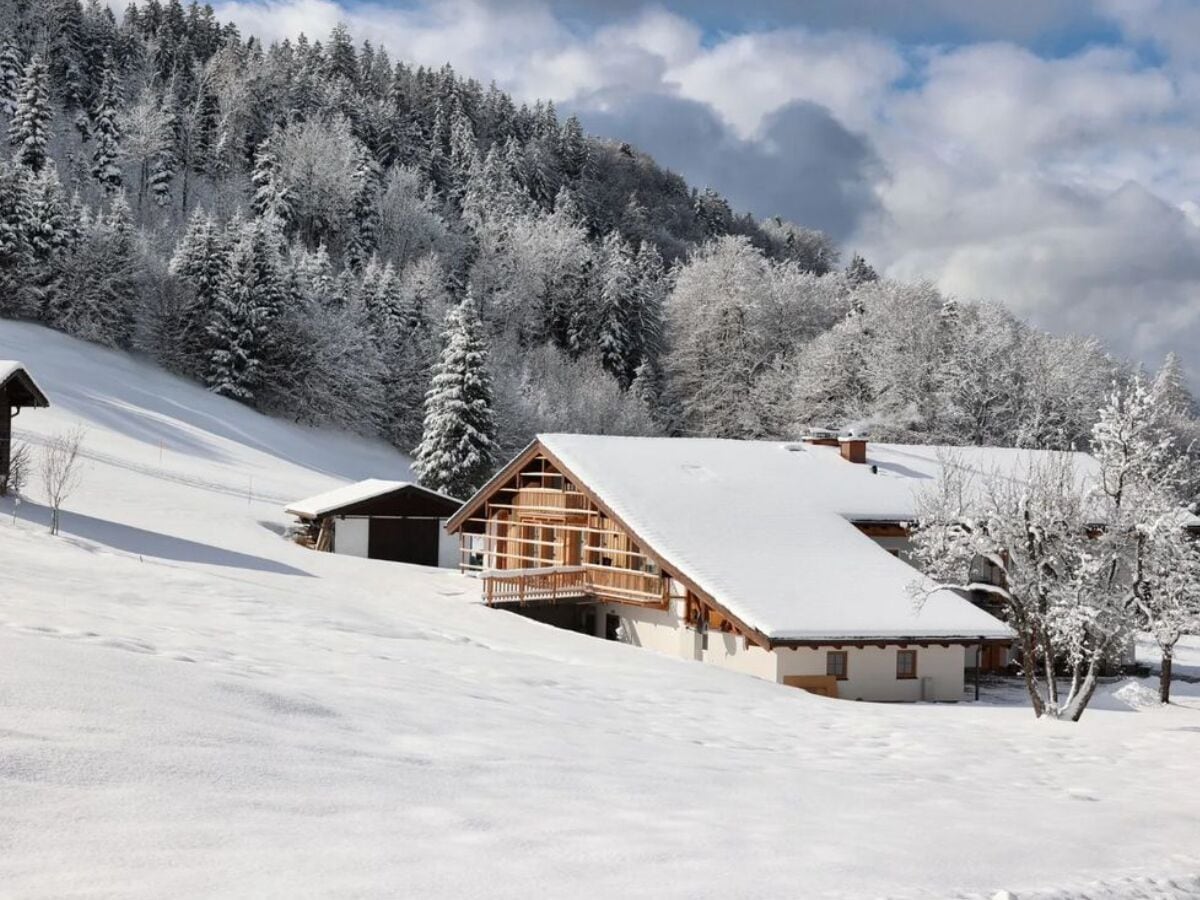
17, 391
377, 519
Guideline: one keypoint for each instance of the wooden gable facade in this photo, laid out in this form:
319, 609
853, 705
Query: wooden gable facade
537, 534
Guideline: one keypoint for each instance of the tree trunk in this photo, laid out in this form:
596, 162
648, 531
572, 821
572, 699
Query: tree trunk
1049, 662
1164, 677
1080, 701
1027, 664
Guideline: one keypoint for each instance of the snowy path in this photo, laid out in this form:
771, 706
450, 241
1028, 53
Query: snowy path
191, 706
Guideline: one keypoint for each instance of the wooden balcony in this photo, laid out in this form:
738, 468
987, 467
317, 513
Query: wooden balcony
545, 585
554, 584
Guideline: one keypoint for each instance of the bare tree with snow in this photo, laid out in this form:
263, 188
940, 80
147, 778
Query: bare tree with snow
1147, 558
61, 472
1035, 533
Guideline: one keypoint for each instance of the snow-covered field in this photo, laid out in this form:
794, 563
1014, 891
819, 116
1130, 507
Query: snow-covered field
190, 705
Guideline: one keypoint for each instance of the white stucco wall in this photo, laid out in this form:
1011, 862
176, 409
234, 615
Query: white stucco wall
351, 536
447, 547
731, 651
665, 632
872, 672
652, 629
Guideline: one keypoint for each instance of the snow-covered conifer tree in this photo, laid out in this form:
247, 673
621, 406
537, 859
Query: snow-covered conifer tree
573, 150
860, 271
649, 296
713, 212
464, 153
364, 233
12, 68
271, 196
237, 329
29, 130
106, 167
199, 260
97, 298
164, 162
458, 444
15, 254
617, 341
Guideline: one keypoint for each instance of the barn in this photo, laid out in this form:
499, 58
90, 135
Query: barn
378, 519
17, 391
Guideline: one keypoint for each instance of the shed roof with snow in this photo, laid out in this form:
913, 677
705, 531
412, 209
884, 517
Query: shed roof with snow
19, 386
766, 528
361, 497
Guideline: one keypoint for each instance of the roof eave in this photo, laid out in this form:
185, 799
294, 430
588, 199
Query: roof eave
871, 640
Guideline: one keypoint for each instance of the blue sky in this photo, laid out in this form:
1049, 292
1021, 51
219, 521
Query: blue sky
1042, 154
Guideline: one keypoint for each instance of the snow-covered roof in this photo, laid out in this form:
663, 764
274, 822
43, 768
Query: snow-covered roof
10, 367
765, 527
348, 495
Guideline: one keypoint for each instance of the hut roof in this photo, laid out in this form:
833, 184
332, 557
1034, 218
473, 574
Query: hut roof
330, 502
22, 389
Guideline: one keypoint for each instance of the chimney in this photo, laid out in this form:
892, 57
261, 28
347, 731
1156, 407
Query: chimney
854, 449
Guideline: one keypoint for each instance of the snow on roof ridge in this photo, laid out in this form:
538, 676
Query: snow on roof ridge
355, 492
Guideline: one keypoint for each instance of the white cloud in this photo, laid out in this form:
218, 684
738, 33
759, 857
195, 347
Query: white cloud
746, 77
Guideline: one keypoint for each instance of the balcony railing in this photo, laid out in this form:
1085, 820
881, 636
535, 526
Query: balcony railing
542, 585
549, 584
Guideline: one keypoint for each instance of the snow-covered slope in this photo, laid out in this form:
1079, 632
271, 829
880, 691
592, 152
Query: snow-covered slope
190, 705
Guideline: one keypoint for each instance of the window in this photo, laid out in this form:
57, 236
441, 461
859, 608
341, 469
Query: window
906, 663
836, 664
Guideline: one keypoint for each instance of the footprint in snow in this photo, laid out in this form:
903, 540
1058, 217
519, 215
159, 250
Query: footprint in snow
1082, 794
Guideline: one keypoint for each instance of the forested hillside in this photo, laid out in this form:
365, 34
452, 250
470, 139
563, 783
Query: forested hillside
325, 233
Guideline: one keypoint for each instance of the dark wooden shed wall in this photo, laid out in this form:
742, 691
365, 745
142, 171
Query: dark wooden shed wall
406, 501
405, 524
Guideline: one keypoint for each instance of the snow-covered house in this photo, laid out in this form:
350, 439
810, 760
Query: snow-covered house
377, 519
782, 560
18, 390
